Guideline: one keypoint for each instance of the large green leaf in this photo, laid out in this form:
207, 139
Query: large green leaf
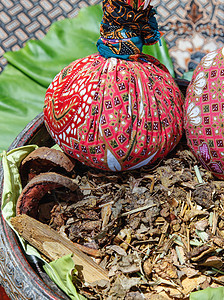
208, 294
21, 99
30, 71
161, 52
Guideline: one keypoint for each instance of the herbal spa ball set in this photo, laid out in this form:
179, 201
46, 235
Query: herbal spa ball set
120, 109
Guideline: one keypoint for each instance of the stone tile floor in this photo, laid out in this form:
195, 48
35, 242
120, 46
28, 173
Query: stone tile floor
22, 20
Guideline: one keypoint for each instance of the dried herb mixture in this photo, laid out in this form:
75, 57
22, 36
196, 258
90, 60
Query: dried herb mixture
159, 233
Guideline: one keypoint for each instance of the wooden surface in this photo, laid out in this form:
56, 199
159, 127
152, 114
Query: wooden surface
53, 246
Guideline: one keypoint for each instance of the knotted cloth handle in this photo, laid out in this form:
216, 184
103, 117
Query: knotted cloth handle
126, 28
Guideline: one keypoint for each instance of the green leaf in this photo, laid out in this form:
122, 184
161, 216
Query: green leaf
208, 294
30, 71
21, 99
12, 186
161, 52
188, 75
60, 271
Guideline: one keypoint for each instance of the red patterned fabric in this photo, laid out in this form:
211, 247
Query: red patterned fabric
137, 3
204, 112
114, 114
3, 295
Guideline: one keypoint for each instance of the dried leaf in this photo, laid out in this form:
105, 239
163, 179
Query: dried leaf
166, 270
190, 272
203, 195
213, 261
201, 224
160, 296
117, 249
105, 215
147, 267
180, 254
191, 284
190, 214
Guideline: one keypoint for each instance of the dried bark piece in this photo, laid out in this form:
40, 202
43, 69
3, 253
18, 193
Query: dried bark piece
219, 241
53, 245
87, 250
34, 191
43, 160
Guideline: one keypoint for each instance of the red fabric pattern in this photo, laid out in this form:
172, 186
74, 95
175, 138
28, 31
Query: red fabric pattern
204, 112
114, 114
3, 295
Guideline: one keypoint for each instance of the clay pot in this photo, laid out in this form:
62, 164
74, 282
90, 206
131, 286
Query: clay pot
22, 277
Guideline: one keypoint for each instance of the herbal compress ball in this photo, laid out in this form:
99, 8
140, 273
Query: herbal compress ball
204, 112
118, 109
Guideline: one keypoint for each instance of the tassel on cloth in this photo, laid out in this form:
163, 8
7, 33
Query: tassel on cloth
125, 28
118, 109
